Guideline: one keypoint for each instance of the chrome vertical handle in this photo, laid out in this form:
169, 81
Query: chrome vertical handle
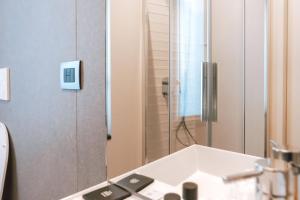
205, 109
214, 93
209, 92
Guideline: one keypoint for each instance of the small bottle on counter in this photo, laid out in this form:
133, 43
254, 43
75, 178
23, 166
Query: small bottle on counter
172, 196
190, 191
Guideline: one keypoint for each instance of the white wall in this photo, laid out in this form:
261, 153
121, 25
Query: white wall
125, 148
284, 76
255, 77
293, 74
277, 71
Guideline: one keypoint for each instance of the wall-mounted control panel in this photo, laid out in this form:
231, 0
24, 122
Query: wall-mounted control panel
70, 75
4, 84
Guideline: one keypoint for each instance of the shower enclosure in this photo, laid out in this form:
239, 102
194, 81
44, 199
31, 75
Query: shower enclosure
205, 75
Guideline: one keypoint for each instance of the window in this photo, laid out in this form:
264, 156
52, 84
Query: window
191, 48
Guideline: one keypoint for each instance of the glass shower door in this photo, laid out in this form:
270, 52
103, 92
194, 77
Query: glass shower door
207, 74
228, 50
204, 75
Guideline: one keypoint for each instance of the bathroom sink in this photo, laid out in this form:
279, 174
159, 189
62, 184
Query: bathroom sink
202, 165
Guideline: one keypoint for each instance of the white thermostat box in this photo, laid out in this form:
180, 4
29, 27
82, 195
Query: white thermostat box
4, 84
70, 75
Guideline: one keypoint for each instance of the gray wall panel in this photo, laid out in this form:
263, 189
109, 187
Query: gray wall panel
91, 120
35, 37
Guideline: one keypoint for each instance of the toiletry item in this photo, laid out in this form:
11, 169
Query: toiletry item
135, 182
172, 196
190, 191
110, 192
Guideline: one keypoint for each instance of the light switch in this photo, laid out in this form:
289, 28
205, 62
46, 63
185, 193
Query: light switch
4, 84
70, 75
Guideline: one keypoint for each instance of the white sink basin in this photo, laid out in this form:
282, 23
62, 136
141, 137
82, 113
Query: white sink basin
199, 164
197, 158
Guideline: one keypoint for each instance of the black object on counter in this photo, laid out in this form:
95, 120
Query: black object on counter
172, 196
135, 182
110, 192
190, 191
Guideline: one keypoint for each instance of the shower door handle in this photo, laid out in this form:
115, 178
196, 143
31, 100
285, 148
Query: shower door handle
214, 93
209, 91
205, 100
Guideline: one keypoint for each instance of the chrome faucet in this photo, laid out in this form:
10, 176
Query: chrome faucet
276, 177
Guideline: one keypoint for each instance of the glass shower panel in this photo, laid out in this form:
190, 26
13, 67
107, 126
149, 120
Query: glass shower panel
183, 38
188, 50
207, 31
228, 50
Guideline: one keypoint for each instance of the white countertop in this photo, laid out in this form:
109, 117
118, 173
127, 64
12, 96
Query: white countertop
202, 165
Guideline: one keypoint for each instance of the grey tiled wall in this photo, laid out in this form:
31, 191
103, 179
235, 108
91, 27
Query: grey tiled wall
57, 137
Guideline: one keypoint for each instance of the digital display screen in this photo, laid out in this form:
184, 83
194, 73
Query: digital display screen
69, 75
